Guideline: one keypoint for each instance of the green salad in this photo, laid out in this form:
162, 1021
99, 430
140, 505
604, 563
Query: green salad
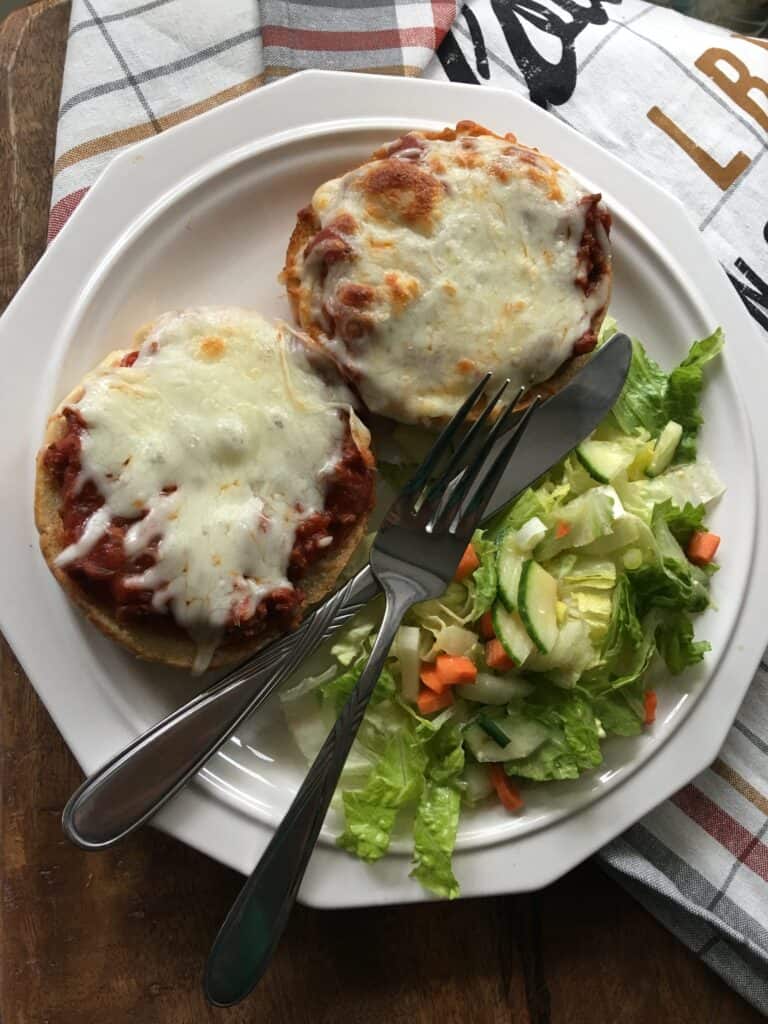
540, 650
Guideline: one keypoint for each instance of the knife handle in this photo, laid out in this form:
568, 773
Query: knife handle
126, 791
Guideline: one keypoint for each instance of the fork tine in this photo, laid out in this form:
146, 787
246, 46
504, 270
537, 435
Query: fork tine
466, 521
435, 453
464, 447
443, 513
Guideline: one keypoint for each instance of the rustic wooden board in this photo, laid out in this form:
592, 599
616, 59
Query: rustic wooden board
122, 936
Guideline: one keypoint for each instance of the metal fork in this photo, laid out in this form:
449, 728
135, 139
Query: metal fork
414, 557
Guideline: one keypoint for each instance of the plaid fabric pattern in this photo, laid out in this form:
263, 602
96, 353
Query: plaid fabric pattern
695, 119
133, 70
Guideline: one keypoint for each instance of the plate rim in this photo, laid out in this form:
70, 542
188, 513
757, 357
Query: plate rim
178, 817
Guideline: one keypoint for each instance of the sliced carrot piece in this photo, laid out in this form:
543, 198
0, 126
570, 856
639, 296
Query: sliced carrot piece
469, 562
702, 547
456, 669
562, 529
496, 657
430, 676
429, 702
506, 790
650, 701
487, 632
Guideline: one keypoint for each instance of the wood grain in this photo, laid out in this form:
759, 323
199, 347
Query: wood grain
122, 936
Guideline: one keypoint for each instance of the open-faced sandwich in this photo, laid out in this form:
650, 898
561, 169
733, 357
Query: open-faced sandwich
197, 491
445, 255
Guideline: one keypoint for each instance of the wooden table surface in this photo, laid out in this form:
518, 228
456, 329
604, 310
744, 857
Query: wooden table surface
122, 936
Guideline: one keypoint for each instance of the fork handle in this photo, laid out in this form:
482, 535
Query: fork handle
257, 919
131, 787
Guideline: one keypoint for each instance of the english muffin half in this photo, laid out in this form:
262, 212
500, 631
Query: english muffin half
445, 255
197, 492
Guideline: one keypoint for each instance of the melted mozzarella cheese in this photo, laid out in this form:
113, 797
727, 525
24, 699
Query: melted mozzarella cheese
488, 282
223, 433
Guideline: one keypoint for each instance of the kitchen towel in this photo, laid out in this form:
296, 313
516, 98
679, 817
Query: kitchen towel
683, 101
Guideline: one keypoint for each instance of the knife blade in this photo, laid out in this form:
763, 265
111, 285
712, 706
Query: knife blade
124, 793
565, 419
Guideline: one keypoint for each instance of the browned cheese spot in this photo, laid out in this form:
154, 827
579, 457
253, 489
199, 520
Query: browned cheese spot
211, 349
400, 190
356, 296
499, 171
401, 290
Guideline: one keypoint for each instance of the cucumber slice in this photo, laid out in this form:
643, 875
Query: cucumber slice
477, 783
490, 728
509, 563
665, 449
524, 737
511, 633
537, 597
489, 688
604, 460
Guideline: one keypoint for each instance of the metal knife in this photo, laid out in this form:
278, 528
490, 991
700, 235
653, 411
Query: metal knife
129, 789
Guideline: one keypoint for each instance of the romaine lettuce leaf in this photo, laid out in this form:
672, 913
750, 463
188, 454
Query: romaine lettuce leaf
395, 780
446, 753
574, 744
573, 654
337, 690
650, 397
620, 716
526, 506
674, 639
310, 722
350, 642
696, 483
624, 629
671, 581
641, 402
434, 834
682, 522
437, 816
608, 328
483, 583
683, 394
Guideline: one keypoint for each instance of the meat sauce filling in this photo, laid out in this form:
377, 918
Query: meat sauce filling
103, 572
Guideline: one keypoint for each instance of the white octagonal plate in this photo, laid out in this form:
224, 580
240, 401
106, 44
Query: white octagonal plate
202, 214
